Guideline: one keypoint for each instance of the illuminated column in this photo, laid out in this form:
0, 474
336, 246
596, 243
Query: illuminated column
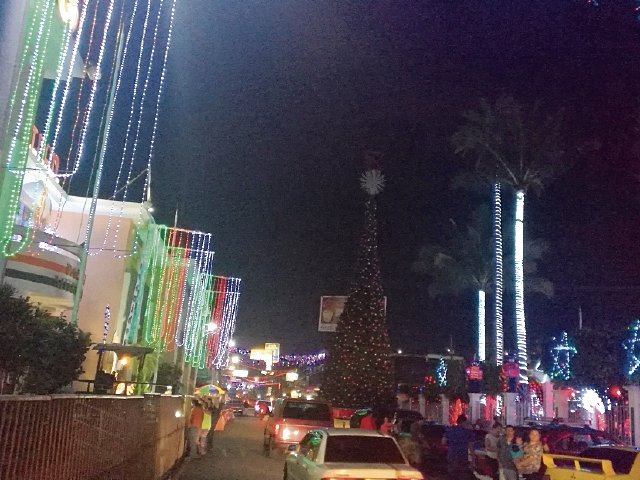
497, 239
547, 391
510, 411
482, 347
521, 329
634, 413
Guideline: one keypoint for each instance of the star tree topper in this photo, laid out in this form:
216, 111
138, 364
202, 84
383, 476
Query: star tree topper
372, 182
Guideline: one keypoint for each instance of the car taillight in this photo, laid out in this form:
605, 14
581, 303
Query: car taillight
277, 428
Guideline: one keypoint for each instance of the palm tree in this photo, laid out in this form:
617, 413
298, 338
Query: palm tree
520, 148
464, 262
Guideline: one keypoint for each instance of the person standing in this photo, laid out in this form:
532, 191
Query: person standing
368, 422
386, 426
505, 461
491, 448
195, 424
531, 463
459, 440
206, 426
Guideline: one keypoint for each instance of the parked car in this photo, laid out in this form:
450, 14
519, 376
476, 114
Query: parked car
236, 405
558, 440
291, 419
347, 453
262, 408
595, 463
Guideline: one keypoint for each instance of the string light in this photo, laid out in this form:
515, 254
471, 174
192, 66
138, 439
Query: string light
497, 238
107, 319
228, 326
19, 144
132, 109
561, 354
482, 347
441, 373
630, 345
521, 328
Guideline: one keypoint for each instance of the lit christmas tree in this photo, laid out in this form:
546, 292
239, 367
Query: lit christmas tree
632, 348
561, 354
359, 370
441, 373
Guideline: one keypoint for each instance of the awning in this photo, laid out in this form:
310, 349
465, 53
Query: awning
120, 349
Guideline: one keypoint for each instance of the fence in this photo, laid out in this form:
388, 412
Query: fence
65, 437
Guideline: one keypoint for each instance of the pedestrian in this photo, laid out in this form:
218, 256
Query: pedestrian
368, 422
206, 426
195, 424
531, 464
215, 414
507, 468
459, 440
386, 426
491, 448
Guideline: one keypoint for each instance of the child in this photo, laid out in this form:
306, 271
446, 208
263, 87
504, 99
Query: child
386, 426
517, 451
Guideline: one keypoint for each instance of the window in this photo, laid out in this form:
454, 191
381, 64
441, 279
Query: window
307, 411
362, 449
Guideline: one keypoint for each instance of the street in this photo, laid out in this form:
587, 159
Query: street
236, 455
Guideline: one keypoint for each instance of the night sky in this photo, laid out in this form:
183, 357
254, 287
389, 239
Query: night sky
271, 105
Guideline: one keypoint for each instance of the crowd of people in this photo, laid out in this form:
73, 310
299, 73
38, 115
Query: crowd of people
507, 455
203, 418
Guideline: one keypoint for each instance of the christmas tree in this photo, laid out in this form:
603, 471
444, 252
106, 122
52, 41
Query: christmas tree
561, 354
359, 371
632, 347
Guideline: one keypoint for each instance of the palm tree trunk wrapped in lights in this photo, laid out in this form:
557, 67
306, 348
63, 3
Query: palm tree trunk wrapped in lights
482, 344
497, 238
521, 328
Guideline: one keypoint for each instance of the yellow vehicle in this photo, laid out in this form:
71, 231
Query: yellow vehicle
595, 463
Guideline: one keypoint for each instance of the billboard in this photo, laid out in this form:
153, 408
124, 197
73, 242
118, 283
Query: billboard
274, 348
330, 310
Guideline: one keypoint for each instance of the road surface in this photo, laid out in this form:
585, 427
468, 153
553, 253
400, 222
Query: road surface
236, 455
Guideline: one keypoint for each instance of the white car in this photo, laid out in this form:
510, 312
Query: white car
344, 453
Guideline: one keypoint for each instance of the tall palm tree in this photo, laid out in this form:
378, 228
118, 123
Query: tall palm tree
520, 147
464, 262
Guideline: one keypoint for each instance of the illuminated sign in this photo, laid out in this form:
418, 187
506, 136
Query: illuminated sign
291, 376
274, 348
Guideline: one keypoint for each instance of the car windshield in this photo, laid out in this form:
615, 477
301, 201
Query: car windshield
622, 460
361, 449
307, 411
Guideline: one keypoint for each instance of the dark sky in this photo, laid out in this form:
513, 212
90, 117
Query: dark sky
271, 105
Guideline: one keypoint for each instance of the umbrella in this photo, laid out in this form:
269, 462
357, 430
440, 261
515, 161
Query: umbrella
210, 389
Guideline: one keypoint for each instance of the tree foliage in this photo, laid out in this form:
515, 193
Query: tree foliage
516, 145
598, 363
44, 353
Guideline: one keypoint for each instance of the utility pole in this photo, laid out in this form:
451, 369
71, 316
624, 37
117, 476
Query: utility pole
84, 251
580, 317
